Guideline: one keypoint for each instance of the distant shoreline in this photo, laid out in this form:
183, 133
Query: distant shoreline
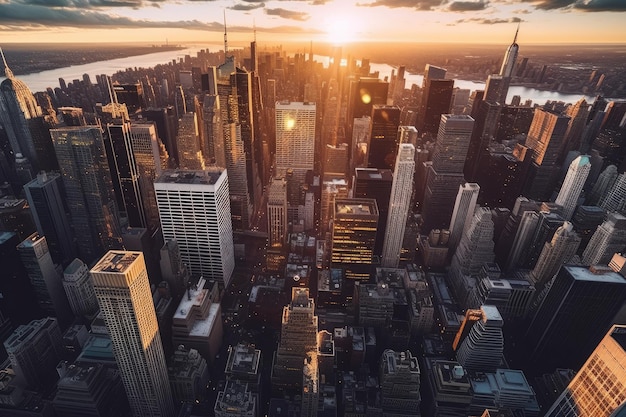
33, 61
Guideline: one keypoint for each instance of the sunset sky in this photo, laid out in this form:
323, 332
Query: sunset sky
338, 21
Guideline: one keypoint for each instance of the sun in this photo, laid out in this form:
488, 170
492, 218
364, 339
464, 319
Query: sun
341, 29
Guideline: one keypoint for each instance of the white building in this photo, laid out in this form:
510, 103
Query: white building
399, 204
194, 209
463, 211
79, 288
121, 284
573, 185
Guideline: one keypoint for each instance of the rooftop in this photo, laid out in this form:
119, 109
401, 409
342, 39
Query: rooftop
190, 177
356, 207
582, 273
116, 261
618, 333
243, 359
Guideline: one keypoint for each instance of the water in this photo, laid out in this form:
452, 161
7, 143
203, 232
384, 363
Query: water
42, 80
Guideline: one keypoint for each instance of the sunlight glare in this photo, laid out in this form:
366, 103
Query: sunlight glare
341, 30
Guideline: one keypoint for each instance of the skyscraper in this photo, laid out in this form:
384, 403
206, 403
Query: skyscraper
384, 137
463, 211
47, 203
88, 189
45, 278
545, 139
609, 238
18, 108
79, 289
508, 64
573, 185
577, 311
446, 172
121, 284
555, 253
298, 337
400, 383
277, 212
598, 389
615, 198
189, 155
375, 183
481, 350
399, 205
295, 138
194, 209
436, 100
353, 236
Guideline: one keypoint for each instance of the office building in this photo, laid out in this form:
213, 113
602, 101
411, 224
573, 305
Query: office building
79, 289
375, 183
194, 209
445, 174
173, 270
363, 94
310, 386
243, 365
197, 321
400, 383
88, 189
295, 138
608, 239
88, 391
545, 139
475, 249
189, 155
45, 278
151, 158
332, 188
436, 99
577, 310
277, 212
483, 135
555, 253
449, 387
353, 236
35, 350
463, 211
20, 111
47, 204
188, 375
482, 348
615, 198
399, 205
361, 129
598, 388
384, 138
573, 185
507, 390
236, 400
298, 337
121, 284
603, 185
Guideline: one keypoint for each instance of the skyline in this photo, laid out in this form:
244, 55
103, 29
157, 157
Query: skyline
446, 21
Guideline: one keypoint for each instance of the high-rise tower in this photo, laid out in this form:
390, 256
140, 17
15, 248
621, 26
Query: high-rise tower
399, 205
608, 239
445, 174
88, 189
577, 311
194, 209
598, 389
481, 350
573, 185
555, 253
121, 284
277, 212
295, 138
508, 64
463, 211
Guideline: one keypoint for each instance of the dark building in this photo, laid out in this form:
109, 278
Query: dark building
131, 95
166, 125
376, 184
514, 122
483, 135
577, 311
436, 100
384, 137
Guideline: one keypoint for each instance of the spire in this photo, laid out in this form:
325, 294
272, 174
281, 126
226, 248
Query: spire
516, 32
225, 37
254, 28
7, 71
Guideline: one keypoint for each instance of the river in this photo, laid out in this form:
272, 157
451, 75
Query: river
42, 80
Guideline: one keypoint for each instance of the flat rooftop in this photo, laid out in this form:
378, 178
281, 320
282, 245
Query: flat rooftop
189, 177
116, 261
619, 335
356, 207
582, 273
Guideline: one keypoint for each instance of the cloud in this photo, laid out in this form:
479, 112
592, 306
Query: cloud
485, 21
601, 5
287, 14
31, 17
414, 4
88, 4
467, 6
247, 7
